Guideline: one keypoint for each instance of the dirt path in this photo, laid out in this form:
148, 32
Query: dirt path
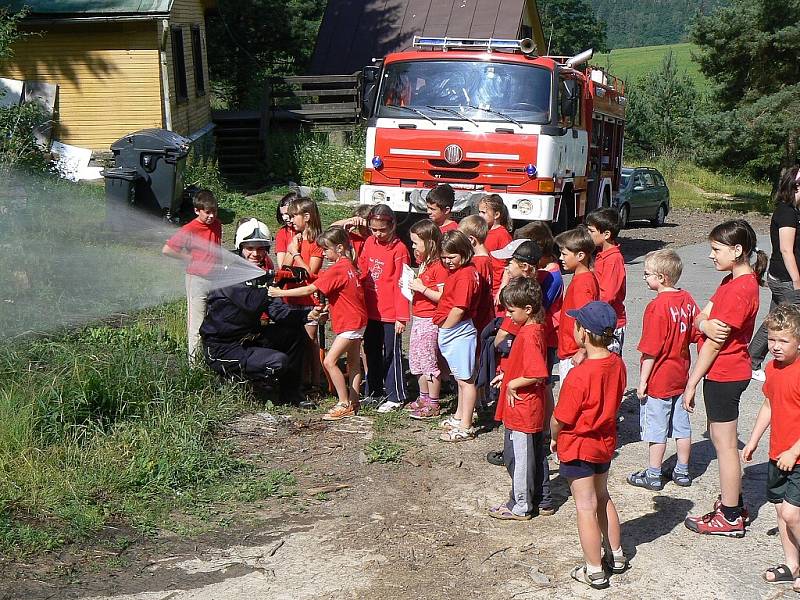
419, 529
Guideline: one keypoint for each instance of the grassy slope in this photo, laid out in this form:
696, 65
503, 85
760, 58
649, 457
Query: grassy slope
631, 63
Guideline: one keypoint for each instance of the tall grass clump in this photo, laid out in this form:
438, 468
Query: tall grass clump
321, 163
107, 424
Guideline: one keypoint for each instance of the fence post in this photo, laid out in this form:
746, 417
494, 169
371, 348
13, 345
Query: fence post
264, 117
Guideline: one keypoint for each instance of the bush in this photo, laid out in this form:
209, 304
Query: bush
18, 146
323, 164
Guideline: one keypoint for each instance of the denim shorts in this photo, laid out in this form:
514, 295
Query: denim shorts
662, 418
459, 345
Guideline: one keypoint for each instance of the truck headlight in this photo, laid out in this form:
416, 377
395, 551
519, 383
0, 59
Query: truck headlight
525, 207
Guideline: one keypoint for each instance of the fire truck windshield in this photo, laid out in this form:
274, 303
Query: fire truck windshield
466, 90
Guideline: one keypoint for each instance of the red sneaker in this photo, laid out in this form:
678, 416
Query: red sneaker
715, 523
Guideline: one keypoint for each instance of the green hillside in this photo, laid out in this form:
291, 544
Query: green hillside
630, 63
633, 23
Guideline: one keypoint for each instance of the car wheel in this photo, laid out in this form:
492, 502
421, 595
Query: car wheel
624, 215
660, 218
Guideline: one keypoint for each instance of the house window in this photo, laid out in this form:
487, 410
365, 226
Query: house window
179, 64
197, 61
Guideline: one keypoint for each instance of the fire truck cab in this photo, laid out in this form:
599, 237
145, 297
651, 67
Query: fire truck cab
490, 117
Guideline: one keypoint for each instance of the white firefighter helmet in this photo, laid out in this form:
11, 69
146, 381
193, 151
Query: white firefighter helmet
252, 231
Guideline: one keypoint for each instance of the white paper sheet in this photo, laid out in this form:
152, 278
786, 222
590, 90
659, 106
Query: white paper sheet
72, 161
406, 277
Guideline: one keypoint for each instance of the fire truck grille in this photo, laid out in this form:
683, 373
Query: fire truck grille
464, 164
441, 174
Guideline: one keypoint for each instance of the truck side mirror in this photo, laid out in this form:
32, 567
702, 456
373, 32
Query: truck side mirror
369, 79
569, 99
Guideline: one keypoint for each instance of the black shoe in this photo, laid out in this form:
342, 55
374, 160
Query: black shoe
495, 457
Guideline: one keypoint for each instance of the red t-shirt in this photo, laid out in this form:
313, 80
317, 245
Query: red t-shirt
357, 242
498, 238
667, 331
609, 268
433, 276
381, 266
308, 250
582, 290
587, 406
460, 291
735, 303
512, 328
484, 308
341, 285
202, 242
527, 359
451, 226
782, 387
283, 236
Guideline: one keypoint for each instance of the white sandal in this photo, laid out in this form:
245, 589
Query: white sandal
456, 434
449, 423
598, 581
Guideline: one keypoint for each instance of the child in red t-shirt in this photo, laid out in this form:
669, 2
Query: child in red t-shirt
667, 331
423, 351
603, 225
285, 231
521, 405
476, 230
727, 323
584, 431
303, 251
458, 339
381, 265
356, 227
781, 412
342, 286
576, 254
440, 201
494, 211
197, 243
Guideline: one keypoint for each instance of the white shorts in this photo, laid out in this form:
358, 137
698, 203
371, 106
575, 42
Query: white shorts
355, 334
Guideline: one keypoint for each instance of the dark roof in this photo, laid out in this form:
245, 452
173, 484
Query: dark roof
353, 32
91, 8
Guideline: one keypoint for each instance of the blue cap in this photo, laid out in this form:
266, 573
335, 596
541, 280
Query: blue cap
597, 317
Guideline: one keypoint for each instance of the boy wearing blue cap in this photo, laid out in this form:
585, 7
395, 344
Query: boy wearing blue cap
584, 432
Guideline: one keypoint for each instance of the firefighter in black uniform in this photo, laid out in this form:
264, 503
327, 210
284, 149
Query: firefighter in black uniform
235, 339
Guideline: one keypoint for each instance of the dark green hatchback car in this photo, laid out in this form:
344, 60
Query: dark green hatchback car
643, 195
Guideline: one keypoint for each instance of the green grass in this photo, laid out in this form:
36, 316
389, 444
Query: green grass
631, 63
693, 187
382, 450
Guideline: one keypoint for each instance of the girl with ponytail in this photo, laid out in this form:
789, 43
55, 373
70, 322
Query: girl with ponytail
727, 324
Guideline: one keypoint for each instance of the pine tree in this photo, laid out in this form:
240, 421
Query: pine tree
570, 27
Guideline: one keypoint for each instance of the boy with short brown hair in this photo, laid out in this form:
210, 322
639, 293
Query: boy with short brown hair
440, 201
781, 412
603, 225
197, 243
577, 248
476, 230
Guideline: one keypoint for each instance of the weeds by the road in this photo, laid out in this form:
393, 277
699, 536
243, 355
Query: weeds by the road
697, 188
112, 423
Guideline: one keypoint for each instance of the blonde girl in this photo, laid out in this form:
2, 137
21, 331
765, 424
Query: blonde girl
341, 285
426, 239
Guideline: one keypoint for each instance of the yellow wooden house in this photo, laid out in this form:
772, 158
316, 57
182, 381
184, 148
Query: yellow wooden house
120, 65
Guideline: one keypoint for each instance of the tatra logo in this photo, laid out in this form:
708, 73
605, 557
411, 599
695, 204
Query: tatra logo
453, 154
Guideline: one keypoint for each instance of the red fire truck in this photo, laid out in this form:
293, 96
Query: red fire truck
490, 117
